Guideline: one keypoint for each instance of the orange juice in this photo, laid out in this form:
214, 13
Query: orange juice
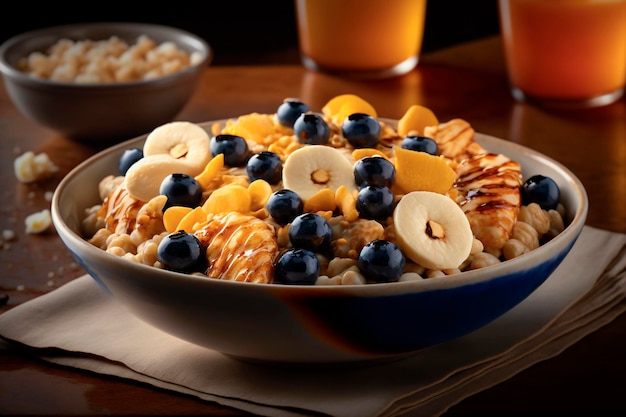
360, 35
565, 49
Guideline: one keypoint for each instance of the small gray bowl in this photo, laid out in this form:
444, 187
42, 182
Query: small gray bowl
101, 112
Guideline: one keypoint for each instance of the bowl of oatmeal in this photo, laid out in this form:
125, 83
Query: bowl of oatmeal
102, 82
271, 238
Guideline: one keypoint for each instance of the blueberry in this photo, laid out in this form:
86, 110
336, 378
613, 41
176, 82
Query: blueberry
128, 158
541, 190
181, 252
235, 149
181, 190
290, 110
284, 205
310, 231
420, 144
311, 129
381, 261
374, 170
375, 202
265, 165
297, 266
361, 130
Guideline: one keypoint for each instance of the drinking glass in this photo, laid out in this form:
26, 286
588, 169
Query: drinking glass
565, 53
361, 38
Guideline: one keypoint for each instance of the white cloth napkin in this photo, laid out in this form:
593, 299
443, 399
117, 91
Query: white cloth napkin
91, 331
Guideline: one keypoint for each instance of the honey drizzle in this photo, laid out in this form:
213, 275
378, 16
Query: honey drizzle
496, 180
119, 211
239, 248
488, 185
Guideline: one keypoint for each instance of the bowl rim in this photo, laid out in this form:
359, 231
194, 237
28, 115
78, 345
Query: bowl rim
570, 233
9, 70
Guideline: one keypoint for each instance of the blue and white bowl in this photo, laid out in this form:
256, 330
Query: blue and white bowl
290, 324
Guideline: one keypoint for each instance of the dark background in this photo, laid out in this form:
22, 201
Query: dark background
244, 31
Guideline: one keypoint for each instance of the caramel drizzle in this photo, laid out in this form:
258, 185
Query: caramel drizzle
489, 177
239, 248
119, 211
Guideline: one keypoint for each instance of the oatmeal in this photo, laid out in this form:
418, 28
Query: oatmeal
337, 197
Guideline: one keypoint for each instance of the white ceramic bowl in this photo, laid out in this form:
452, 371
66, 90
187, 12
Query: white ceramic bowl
276, 323
103, 112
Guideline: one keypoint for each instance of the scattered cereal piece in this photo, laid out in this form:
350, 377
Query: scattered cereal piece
30, 167
38, 222
8, 235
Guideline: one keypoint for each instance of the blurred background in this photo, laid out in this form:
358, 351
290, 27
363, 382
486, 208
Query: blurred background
247, 31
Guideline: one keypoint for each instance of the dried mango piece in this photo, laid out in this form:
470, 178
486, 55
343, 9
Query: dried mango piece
323, 200
192, 221
420, 171
260, 191
415, 120
342, 106
210, 171
361, 153
346, 201
232, 197
254, 126
173, 216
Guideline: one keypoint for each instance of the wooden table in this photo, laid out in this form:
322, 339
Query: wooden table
467, 81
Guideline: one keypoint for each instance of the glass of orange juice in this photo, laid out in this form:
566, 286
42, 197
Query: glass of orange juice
362, 38
565, 53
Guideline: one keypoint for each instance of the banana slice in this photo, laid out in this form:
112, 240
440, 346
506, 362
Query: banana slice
173, 148
432, 230
315, 167
143, 179
184, 141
